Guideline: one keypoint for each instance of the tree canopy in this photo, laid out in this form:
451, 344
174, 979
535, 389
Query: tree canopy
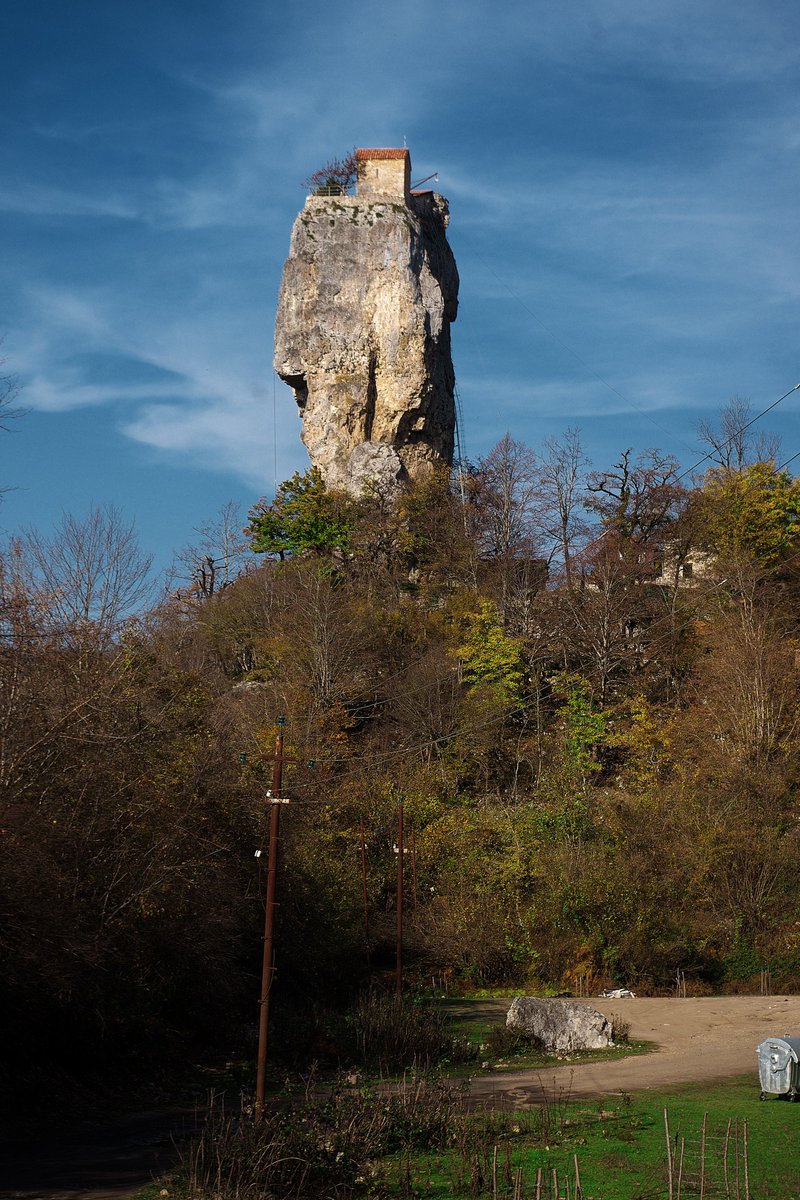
752, 512
304, 516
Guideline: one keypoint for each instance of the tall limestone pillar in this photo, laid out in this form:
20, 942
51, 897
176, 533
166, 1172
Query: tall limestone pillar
362, 334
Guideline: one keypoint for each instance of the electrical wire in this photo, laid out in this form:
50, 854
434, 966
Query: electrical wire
384, 757
738, 433
429, 744
784, 465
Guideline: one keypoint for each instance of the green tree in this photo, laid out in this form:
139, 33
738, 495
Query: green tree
303, 517
643, 740
490, 659
752, 513
584, 727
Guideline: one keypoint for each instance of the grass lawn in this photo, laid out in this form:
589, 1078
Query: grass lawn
620, 1147
436, 1147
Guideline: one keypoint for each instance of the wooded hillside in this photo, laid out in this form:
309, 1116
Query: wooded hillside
582, 685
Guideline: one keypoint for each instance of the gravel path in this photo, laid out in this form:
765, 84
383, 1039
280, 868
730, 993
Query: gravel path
695, 1040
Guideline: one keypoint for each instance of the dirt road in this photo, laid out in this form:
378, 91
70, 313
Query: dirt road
695, 1040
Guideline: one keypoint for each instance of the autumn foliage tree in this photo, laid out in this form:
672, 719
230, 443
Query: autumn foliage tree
752, 513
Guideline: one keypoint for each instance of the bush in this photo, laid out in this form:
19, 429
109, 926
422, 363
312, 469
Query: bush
333, 1147
742, 962
335, 178
395, 1032
319, 1147
620, 1029
503, 1041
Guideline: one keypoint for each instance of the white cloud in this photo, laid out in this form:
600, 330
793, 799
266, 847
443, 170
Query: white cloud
716, 42
39, 201
212, 409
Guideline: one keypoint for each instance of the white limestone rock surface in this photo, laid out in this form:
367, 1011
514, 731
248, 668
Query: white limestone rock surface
560, 1025
362, 335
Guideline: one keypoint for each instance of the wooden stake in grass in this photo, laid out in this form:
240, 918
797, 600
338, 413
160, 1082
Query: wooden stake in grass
725, 1152
703, 1157
578, 1188
539, 1184
669, 1153
736, 1146
746, 1168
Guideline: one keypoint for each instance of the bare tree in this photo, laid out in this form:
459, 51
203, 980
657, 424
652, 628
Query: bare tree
561, 471
222, 555
336, 177
507, 499
9, 390
748, 682
93, 574
637, 500
505, 508
731, 444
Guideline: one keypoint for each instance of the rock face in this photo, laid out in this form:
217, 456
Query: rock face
363, 327
560, 1024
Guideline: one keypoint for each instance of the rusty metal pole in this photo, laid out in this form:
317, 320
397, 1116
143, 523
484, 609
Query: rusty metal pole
414, 869
399, 963
269, 924
364, 887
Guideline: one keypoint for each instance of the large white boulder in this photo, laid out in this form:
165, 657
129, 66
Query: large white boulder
561, 1025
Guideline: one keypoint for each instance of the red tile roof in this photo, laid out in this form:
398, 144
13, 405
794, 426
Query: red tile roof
360, 154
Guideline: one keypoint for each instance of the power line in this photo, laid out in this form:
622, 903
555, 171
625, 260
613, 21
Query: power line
428, 744
738, 433
459, 430
784, 465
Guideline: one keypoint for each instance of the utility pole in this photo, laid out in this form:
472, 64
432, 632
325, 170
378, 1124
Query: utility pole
399, 963
414, 869
275, 801
364, 889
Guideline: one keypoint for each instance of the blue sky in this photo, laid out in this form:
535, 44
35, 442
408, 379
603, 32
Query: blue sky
623, 178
